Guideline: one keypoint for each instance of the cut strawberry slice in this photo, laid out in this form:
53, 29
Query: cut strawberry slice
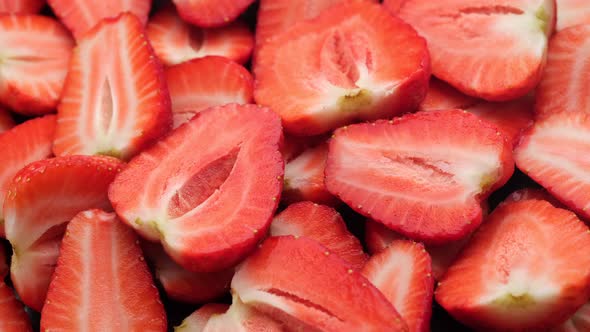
515, 31
120, 287
549, 152
523, 270
579, 322
293, 146
6, 122
41, 199
322, 224
378, 237
403, 273
176, 41
422, 175
243, 318
442, 96
35, 55
197, 320
304, 177
341, 67
28, 142
13, 317
182, 285
21, 6
202, 83
281, 279
572, 12
80, 16
211, 13
564, 85
117, 106
209, 209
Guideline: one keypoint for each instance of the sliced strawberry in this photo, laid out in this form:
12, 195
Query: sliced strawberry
13, 317
578, 322
209, 209
41, 199
342, 67
293, 146
513, 33
572, 12
282, 280
422, 175
23, 144
403, 273
442, 96
21, 6
304, 177
564, 84
80, 16
322, 224
243, 318
182, 285
198, 84
378, 237
176, 41
115, 107
211, 13
35, 55
197, 320
550, 153
523, 270
6, 121
119, 287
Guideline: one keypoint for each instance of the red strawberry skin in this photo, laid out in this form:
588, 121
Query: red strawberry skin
120, 288
41, 199
13, 317
211, 13
21, 6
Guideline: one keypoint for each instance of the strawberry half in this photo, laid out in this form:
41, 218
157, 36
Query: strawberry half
182, 285
41, 199
197, 320
549, 152
578, 322
176, 41
522, 270
211, 13
120, 287
423, 175
21, 6
28, 142
35, 55
281, 279
513, 33
322, 224
6, 121
304, 177
243, 318
209, 209
80, 16
564, 85
572, 12
13, 317
341, 67
115, 107
403, 273
198, 84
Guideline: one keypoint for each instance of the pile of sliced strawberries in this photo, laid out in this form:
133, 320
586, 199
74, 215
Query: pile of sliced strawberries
295, 165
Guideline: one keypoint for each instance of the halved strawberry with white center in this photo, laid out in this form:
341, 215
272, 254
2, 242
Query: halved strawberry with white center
423, 175
299, 283
552, 153
176, 41
578, 322
202, 83
304, 177
80, 16
322, 224
6, 121
211, 13
101, 270
207, 191
197, 320
243, 318
34, 56
354, 61
182, 285
403, 273
523, 270
42, 198
23, 144
513, 33
115, 100
13, 317
572, 12
21, 6
564, 85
